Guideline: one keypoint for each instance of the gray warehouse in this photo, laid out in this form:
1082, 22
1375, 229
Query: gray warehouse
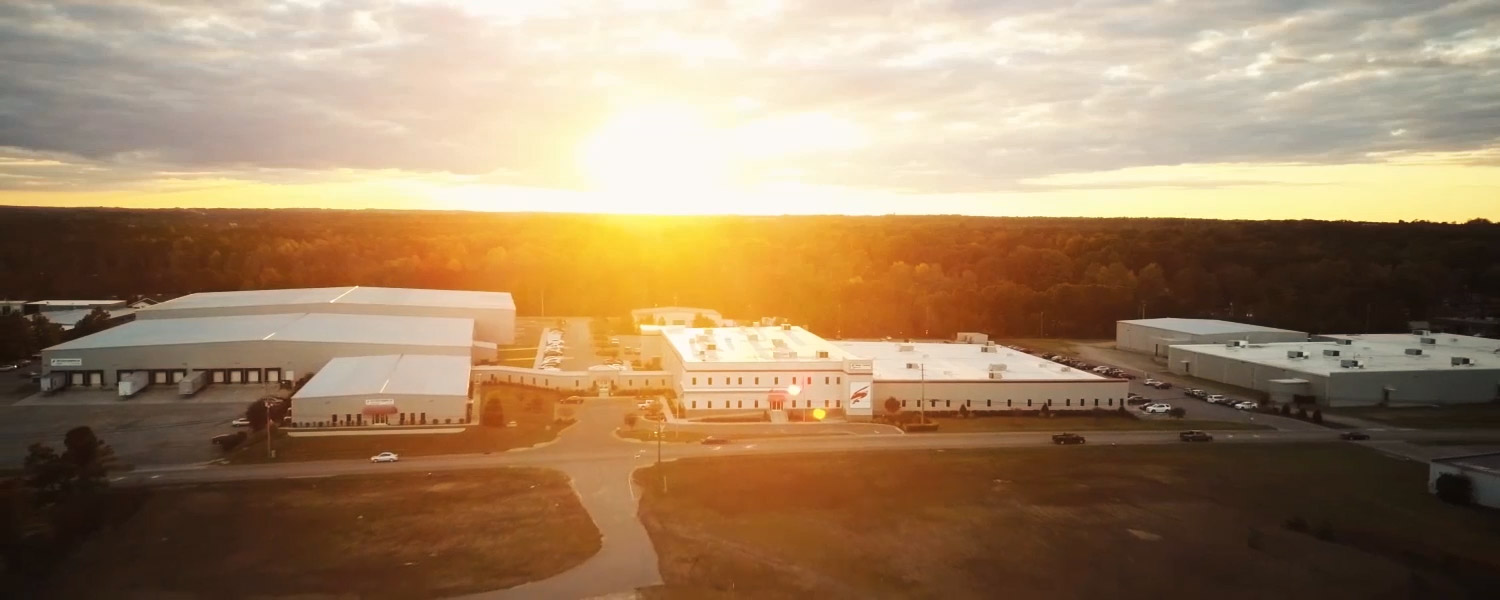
252, 348
409, 389
493, 313
1354, 370
1153, 336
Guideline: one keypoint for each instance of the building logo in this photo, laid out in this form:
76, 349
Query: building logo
67, 362
859, 397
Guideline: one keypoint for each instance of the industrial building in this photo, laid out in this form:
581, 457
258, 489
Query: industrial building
675, 315
250, 348
787, 368
402, 389
1353, 370
493, 313
1154, 336
1482, 470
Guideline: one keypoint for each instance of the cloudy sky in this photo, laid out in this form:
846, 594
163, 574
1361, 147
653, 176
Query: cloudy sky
1331, 109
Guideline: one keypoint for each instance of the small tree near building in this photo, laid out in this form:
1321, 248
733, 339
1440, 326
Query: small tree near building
1317, 416
1178, 412
701, 320
963, 411
1454, 488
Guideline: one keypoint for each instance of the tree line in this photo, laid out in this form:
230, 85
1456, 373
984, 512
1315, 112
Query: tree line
904, 276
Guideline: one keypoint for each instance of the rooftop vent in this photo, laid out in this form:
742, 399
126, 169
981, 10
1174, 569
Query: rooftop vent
1330, 353
1344, 342
905, 348
1296, 354
1421, 332
1350, 363
986, 348
786, 326
1461, 361
1427, 341
997, 375
822, 354
913, 366
1413, 351
1236, 344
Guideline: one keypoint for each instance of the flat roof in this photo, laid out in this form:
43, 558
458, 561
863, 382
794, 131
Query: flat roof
341, 295
75, 302
1412, 340
392, 374
71, 317
749, 345
1489, 463
1204, 326
959, 362
1375, 355
291, 327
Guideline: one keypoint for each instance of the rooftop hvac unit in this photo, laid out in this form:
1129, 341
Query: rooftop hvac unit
1236, 344
997, 374
711, 347
1427, 341
1296, 354
1413, 351
913, 366
986, 348
1461, 361
1350, 363
786, 326
905, 348
997, 367
822, 354
1345, 342
1330, 353
1423, 332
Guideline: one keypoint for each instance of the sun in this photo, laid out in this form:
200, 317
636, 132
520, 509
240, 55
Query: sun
663, 156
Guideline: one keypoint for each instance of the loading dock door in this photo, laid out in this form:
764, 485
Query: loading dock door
96, 378
178, 376
236, 376
252, 375
158, 377
273, 375
75, 378
218, 376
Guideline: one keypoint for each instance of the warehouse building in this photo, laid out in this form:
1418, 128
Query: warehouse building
493, 313
1482, 471
1154, 336
675, 315
399, 389
261, 348
787, 368
1353, 370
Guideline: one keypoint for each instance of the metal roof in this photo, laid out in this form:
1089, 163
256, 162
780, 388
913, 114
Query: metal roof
1204, 326
291, 327
959, 362
394, 375
1373, 354
1489, 462
341, 295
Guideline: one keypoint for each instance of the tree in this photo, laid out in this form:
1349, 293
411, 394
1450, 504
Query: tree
1046, 410
1317, 416
1454, 488
97, 320
15, 337
256, 413
701, 320
892, 405
1178, 412
963, 411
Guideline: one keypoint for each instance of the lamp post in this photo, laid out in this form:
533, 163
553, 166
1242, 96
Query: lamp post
660, 471
269, 452
922, 404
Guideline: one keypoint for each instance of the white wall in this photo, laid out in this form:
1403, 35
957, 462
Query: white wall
1486, 485
1152, 340
1357, 387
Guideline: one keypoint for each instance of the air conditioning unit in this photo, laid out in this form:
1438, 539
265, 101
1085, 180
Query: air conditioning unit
1345, 342
786, 326
1296, 354
913, 366
905, 348
1461, 361
1350, 363
711, 347
1427, 341
1330, 353
986, 348
1236, 344
1421, 332
1413, 351
822, 354
997, 375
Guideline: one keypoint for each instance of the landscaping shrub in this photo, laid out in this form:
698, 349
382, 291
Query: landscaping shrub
1302, 414
1455, 488
1178, 412
1317, 416
1286, 410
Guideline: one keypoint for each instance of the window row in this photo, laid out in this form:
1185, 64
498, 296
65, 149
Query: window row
1009, 403
774, 381
756, 404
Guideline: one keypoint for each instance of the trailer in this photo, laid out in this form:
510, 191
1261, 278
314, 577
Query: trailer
53, 382
192, 384
132, 383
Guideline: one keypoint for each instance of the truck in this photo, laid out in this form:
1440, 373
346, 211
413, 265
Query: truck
192, 384
53, 382
132, 383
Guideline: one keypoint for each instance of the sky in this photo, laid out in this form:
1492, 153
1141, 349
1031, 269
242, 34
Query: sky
1238, 109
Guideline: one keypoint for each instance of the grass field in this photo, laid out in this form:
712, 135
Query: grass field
1081, 423
1468, 416
474, 440
1085, 522
397, 536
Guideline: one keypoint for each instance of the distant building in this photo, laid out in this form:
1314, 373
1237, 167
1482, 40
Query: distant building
1154, 336
971, 337
402, 389
1487, 327
675, 315
68, 319
1483, 471
1420, 368
46, 307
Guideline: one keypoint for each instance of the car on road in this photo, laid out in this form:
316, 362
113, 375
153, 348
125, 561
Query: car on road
1067, 438
1195, 435
1102, 370
1354, 436
8, 368
1158, 384
645, 405
385, 457
1157, 408
714, 441
1216, 398
1246, 405
240, 422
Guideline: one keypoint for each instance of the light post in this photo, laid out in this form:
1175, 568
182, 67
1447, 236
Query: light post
269, 452
792, 391
922, 404
660, 471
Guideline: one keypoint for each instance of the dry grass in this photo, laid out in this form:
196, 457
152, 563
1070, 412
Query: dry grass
1089, 522
398, 536
1081, 423
1468, 416
474, 440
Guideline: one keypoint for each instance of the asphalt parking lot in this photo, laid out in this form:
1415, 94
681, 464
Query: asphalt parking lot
578, 349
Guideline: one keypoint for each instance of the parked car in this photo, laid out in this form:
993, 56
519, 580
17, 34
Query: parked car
1130, 376
1354, 436
1195, 436
1067, 438
1196, 393
1246, 405
1216, 399
384, 457
714, 441
1102, 370
1158, 384
229, 439
240, 422
1158, 408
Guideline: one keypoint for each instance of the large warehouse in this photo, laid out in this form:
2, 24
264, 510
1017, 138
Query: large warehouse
493, 313
253, 348
784, 367
407, 389
1354, 370
1154, 336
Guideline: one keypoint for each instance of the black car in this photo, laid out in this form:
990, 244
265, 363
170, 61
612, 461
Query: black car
1067, 438
714, 441
1354, 436
1195, 436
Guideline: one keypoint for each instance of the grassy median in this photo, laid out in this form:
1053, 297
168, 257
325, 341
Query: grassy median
395, 536
1082, 423
1200, 521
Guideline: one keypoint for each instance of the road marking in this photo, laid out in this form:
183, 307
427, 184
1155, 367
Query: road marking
749, 446
155, 476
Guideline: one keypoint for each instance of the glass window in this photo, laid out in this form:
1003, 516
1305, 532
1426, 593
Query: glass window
1096, 402
838, 403
987, 403
739, 381
710, 403
1067, 402
695, 404
903, 404
757, 381
1007, 403
695, 381
710, 381
1028, 403
1111, 402
739, 404
947, 404
825, 404
825, 381
776, 381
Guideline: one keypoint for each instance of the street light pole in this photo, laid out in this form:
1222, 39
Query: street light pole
922, 405
269, 452
660, 472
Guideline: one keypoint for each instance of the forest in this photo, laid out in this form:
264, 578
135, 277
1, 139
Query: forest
900, 276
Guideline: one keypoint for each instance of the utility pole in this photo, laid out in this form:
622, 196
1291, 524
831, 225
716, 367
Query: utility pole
922, 406
1143, 309
269, 429
660, 472
1041, 323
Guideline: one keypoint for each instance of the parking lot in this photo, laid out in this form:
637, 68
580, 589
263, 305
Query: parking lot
577, 346
155, 428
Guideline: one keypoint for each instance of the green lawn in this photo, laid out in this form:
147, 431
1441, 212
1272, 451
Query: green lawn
1468, 416
1081, 522
1081, 423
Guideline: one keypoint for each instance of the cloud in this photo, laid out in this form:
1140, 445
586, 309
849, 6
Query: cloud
506, 92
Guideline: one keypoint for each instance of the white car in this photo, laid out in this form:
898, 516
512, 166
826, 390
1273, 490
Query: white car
1215, 398
384, 457
1246, 405
1156, 408
1153, 382
1101, 370
240, 422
